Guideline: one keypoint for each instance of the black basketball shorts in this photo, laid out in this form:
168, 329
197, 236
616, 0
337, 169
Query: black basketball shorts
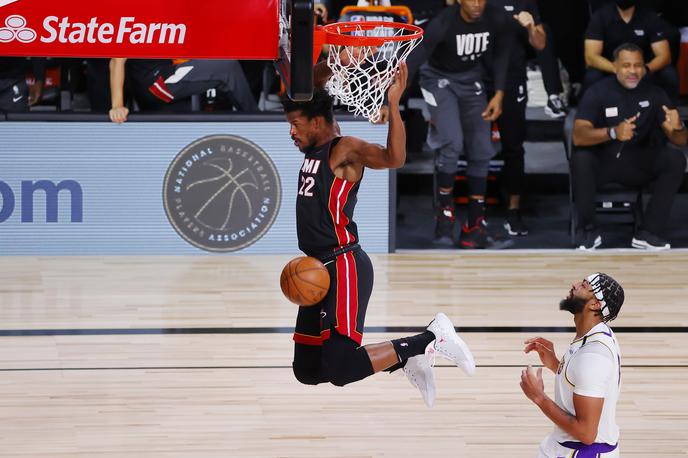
344, 307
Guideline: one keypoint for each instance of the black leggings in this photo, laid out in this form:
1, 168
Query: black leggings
512, 130
662, 166
565, 23
339, 361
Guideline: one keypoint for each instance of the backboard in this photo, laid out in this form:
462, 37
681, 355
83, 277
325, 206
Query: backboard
295, 61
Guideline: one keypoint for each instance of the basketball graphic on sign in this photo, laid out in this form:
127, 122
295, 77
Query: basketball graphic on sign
222, 193
226, 191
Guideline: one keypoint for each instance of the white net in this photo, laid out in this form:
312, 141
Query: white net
361, 75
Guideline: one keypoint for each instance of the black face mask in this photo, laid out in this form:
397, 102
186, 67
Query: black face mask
572, 304
625, 4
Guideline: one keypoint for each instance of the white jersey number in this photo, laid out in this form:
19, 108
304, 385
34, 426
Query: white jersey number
307, 184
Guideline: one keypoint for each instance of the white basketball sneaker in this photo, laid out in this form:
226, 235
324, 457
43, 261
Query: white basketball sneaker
449, 345
418, 370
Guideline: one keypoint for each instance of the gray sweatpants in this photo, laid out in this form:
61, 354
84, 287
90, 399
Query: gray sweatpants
456, 102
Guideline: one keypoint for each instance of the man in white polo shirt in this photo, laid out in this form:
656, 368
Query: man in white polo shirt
588, 376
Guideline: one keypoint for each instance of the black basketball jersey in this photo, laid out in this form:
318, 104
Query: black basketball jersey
324, 205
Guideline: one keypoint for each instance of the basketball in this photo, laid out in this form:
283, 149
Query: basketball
305, 281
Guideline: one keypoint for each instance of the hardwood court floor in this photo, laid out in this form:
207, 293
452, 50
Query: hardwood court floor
190, 357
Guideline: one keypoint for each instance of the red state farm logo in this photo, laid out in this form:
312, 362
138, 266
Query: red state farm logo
15, 29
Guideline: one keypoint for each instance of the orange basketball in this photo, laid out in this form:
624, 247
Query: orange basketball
305, 281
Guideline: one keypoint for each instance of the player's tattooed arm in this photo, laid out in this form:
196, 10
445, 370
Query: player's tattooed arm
357, 151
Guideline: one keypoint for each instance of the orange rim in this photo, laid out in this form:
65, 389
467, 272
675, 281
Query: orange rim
335, 33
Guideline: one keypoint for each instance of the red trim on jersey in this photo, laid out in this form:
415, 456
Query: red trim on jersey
308, 340
346, 309
339, 193
355, 335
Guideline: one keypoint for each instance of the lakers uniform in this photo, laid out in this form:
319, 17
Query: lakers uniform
590, 367
326, 230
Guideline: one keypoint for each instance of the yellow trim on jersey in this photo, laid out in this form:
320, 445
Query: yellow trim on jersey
566, 378
590, 335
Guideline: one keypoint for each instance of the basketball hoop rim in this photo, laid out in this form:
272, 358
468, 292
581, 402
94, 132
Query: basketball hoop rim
334, 33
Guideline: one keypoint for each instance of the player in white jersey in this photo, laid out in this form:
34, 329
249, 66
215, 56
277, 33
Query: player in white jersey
588, 376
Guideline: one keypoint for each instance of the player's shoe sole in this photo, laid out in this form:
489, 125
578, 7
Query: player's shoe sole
643, 245
418, 370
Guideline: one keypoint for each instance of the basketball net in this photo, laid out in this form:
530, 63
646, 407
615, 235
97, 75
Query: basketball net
364, 68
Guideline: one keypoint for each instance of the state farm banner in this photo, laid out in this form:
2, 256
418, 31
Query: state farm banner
221, 29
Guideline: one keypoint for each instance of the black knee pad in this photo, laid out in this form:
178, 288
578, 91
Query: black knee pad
344, 361
307, 364
307, 375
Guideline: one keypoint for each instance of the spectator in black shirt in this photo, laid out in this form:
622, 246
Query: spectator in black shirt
623, 22
455, 44
526, 32
620, 135
672, 15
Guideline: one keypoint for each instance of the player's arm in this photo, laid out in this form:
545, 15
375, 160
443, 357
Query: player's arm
594, 58
582, 426
586, 134
536, 32
118, 112
537, 37
673, 127
590, 373
595, 36
545, 350
321, 73
662, 57
375, 156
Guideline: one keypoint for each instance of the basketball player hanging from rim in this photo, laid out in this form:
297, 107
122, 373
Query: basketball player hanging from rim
328, 335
